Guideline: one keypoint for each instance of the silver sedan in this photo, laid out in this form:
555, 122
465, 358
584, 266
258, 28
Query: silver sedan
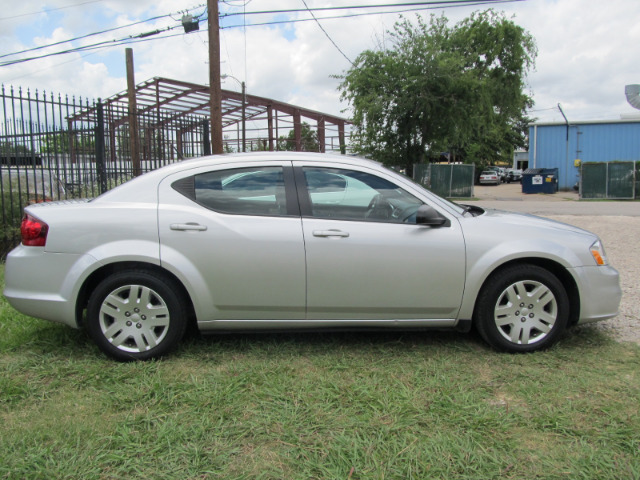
272, 241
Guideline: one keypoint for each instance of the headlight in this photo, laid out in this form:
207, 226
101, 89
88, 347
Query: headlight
597, 251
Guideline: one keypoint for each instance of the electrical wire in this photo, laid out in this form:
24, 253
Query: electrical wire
48, 10
158, 17
327, 35
143, 36
352, 15
432, 4
95, 46
83, 36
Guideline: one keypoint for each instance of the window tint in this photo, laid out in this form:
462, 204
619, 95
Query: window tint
245, 191
353, 195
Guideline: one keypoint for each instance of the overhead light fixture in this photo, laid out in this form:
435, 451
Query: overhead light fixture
190, 24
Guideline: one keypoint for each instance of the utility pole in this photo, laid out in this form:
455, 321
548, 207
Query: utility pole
133, 115
568, 185
244, 117
214, 78
243, 85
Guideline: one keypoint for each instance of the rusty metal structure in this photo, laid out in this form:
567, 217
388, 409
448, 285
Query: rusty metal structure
173, 120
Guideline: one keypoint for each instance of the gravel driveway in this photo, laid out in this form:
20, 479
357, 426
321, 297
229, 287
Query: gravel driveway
616, 223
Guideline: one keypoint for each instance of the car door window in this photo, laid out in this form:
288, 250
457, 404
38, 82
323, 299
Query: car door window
353, 195
243, 191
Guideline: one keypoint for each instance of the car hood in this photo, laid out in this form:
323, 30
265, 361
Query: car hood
531, 221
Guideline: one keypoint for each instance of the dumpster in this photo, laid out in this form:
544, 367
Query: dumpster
540, 180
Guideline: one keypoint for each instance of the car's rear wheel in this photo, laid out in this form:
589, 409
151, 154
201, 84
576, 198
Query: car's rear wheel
522, 308
135, 315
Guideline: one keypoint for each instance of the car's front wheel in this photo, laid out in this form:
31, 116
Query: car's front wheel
135, 315
522, 308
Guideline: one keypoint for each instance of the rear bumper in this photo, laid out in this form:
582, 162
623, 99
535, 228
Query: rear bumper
44, 285
600, 293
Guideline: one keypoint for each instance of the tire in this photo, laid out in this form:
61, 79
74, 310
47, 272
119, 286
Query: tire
522, 308
136, 315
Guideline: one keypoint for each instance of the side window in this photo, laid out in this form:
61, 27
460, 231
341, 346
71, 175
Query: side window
243, 191
352, 195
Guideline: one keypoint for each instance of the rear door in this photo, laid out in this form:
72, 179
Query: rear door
233, 234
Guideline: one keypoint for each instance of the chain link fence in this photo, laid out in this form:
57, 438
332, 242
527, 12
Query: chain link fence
446, 180
609, 180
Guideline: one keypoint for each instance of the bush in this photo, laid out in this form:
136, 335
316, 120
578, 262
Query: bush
12, 211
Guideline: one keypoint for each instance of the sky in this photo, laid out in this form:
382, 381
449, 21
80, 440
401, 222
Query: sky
588, 50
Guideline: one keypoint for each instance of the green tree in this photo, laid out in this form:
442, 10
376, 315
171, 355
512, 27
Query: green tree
10, 148
309, 140
440, 89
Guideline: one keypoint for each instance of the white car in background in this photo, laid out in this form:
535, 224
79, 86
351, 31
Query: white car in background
291, 241
490, 177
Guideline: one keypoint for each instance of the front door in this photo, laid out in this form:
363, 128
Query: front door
366, 257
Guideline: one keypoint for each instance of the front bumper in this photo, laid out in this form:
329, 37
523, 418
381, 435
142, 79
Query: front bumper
600, 292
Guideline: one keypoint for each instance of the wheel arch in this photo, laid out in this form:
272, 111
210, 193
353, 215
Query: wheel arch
105, 271
557, 269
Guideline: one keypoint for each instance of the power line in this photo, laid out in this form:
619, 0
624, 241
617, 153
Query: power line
48, 10
83, 36
431, 4
96, 46
325, 32
351, 15
416, 6
41, 47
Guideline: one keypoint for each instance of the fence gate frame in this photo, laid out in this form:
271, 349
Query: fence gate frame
450, 186
606, 182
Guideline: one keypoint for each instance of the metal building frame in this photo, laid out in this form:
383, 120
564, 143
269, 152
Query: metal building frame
182, 107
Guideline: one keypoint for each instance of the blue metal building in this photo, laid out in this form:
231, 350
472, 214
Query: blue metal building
558, 145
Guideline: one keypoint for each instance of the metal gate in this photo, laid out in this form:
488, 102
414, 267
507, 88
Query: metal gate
446, 180
610, 180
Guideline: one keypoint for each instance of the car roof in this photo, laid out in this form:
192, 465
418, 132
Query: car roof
145, 183
268, 156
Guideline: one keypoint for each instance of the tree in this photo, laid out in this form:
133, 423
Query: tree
309, 140
442, 89
10, 148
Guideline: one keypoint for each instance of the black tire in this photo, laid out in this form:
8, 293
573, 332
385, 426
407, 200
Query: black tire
136, 315
522, 308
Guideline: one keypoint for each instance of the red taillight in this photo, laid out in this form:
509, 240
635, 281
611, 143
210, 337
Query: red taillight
34, 231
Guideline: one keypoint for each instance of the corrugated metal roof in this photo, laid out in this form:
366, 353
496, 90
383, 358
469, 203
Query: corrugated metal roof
588, 122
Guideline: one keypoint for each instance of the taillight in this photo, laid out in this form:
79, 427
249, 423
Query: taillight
34, 231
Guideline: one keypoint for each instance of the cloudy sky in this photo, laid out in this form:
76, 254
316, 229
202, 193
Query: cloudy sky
588, 49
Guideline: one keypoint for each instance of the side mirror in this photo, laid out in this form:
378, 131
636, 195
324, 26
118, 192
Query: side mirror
429, 216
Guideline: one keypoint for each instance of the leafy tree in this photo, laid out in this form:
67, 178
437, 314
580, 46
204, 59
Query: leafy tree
442, 89
309, 140
10, 148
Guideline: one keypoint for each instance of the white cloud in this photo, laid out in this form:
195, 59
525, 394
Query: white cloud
588, 51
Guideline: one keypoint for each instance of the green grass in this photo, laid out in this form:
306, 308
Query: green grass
310, 406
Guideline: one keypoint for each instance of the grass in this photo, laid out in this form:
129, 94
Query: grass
310, 406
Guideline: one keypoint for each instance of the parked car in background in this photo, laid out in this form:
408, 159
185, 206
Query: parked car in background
501, 171
291, 241
489, 177
514, 175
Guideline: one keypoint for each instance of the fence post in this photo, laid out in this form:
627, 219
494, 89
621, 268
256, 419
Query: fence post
450, 179
206, 143
100, 150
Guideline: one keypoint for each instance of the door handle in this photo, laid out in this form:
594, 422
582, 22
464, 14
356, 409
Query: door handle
188, 227
330, 233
